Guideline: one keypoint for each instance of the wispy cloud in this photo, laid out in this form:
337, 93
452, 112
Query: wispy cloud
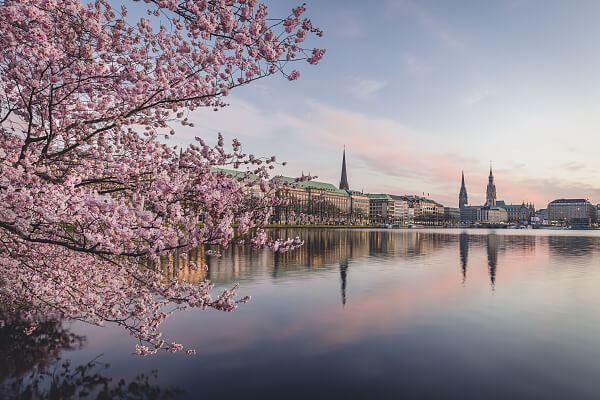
384, 154
415, 66
476, 96
365, 88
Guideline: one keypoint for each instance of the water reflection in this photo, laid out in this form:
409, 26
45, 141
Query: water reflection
464, 254
492, 257
326, 248
22, 351
376, 314
572, 247
63, 381
32, 367
343, 278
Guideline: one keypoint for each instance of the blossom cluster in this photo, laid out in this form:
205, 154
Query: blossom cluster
90, 198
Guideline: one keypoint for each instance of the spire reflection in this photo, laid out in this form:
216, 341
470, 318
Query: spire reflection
492, 256
343, 278
464, 254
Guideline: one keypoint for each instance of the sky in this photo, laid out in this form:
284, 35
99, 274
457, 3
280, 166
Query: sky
418, 91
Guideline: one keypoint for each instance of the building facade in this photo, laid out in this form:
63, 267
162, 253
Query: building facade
425, 210
359, 207
492, 215
313, 202
541, 216
569, 211
402, 215
518, 212
451, 214
381, 208
469, 214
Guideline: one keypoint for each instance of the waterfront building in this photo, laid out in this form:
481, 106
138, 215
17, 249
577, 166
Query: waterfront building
426, 210
381, 208
401, 210
492, 215
452, 214
411, 215
320, 202
489, 212
517, 212
541, 216
468, 214
359, 207
571, 211
311, 201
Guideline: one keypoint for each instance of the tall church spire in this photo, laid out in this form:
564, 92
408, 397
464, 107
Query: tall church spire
463, 200
344, 179
490, 198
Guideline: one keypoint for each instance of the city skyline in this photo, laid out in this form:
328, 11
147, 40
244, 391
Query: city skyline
490, 196
453, 91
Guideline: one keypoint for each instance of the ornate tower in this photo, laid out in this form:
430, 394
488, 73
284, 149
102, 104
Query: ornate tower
491, 190
344, 179
463, 200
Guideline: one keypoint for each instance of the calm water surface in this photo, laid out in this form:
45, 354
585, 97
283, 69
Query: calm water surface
367, 314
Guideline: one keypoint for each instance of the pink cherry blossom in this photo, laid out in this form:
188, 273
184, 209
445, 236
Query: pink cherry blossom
90, 199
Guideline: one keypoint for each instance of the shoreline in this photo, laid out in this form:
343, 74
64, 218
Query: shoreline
418, 227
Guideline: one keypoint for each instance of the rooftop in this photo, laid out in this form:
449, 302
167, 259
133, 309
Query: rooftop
381, 196
308, 184
570, 201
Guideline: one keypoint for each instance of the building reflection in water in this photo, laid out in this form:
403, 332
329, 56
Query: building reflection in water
464, 254
492, 257
494, 244
188, 267
338, 248
343, 279
572, 246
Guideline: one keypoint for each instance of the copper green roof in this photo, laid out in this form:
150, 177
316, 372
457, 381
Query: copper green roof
379, 196
309, 184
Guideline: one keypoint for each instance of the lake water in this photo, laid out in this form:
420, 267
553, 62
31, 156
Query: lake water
370, 314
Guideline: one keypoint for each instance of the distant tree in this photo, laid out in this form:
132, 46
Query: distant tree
90, 198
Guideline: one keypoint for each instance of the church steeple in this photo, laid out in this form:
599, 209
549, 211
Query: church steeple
491, 190
344, 178
463, 200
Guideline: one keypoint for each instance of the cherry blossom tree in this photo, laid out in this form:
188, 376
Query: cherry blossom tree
90, 195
